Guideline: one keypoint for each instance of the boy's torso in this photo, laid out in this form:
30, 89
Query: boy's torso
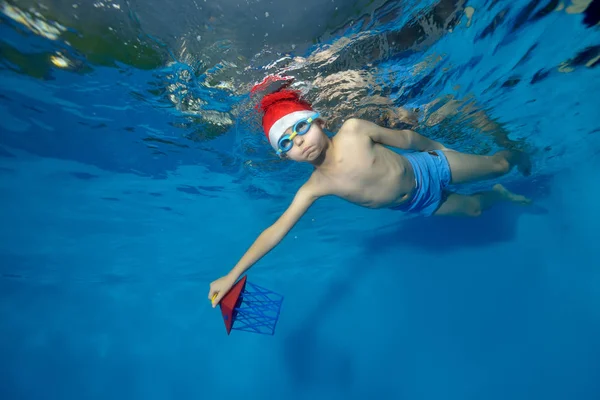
367, 173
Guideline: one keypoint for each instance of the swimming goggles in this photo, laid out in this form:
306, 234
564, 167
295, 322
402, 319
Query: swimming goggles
286, 142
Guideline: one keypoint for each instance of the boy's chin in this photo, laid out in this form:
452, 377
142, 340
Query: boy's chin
311, 156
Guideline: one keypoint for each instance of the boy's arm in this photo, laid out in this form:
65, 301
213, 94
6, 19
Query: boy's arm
402, 139
271, 236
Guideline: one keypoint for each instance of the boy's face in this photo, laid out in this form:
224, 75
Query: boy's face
308, 147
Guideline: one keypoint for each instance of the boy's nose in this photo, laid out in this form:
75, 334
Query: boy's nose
298, 140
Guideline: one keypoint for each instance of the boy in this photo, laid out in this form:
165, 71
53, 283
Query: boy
354, 165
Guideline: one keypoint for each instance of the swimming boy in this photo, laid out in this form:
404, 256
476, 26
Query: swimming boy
356, 165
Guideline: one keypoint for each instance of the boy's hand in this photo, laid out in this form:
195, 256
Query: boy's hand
220, 287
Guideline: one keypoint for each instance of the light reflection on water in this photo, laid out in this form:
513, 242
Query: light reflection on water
447, 69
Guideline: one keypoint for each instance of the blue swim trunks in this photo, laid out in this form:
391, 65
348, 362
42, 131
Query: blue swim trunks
432, 175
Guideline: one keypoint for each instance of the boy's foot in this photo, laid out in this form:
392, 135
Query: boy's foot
517, 158
523, 162
510, 196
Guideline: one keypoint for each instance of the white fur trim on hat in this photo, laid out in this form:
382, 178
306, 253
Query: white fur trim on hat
283, 123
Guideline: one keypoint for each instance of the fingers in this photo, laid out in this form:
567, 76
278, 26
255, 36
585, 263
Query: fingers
214, 295
216, 299
213, 298
218, 290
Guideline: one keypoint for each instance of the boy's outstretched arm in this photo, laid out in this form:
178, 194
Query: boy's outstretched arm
403, 139
266, 241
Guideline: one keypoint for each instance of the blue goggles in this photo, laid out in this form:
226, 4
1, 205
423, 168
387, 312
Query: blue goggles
286, 142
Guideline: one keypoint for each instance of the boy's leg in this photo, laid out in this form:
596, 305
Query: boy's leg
470, 167
473, 205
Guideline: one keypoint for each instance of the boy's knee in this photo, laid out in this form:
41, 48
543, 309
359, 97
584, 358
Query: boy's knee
501, 164
474, 209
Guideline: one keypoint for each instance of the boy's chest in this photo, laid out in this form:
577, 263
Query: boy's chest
357, 160
359, 174
366, 174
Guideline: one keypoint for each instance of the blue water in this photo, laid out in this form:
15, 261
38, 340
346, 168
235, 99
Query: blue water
121, 201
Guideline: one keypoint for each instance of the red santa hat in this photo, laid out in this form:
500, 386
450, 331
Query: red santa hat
281, 109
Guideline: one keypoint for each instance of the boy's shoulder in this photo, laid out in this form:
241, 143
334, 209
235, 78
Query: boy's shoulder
352, 129
352, 125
